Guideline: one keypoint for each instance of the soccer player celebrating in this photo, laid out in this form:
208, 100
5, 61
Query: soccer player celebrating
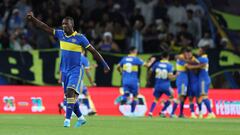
163, 74
193, 89
204, 81
182, 79
129, 67
71, 45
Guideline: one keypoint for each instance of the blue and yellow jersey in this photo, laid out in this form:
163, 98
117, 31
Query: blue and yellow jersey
130, 65
162, 69
85, 62
71, 49
181, 64
203, 73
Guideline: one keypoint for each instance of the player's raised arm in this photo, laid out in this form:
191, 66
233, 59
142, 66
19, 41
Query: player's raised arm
38, 23
150, 62
99, 58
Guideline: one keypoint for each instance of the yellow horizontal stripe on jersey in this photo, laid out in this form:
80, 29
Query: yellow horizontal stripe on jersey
70, 46
180, 67
132, 68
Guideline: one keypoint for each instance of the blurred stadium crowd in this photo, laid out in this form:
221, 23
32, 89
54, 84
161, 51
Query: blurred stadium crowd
111, 25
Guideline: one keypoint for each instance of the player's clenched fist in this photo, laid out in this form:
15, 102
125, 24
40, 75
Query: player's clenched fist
29, 15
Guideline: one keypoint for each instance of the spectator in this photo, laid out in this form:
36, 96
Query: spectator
19, 42
206, 41
15, 20
193, 25
23, 8
107, 44
177, 15
120, 36
160, 11
136, 16
184, 37
137, 37
145, 6
195, 7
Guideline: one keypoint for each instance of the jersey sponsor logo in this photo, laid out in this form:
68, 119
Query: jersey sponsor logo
74, 40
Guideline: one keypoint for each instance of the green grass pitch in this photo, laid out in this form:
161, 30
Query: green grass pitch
106, 125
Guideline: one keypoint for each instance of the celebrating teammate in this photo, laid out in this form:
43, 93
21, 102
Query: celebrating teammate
71, 45
129, 67
163, 74
204, 82
182, 80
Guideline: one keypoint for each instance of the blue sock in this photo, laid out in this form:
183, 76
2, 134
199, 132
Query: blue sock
77, 110
87, 104
192, 107
133, 105
153, 107
181, 107
69, 107
207, 103
166, 104
174, 108
125, 97
199, 106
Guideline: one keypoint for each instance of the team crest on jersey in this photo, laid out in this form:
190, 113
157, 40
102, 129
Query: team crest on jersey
74, 40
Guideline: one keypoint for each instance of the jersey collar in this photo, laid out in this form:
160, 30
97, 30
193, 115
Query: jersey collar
73, 34
133, 55
164, 61
204, 55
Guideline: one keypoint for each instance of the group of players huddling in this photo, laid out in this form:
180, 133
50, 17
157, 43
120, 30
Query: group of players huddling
192, 77
192, 81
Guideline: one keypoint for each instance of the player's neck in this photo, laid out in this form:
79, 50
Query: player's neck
69, 33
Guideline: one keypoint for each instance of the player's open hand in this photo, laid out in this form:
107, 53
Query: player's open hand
30, 15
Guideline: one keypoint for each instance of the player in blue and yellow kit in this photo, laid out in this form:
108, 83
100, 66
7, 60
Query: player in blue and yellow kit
71, 45
193, 89
84, 89
129, 67
204, 81
163, 74
182, 80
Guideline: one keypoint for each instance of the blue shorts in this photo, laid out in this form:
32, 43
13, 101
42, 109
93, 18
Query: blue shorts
204, 85
162, 89
193, 89
131, 86
73, 79
182, 83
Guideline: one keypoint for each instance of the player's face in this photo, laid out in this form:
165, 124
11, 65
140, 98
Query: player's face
67, 25
200, 51
188, 55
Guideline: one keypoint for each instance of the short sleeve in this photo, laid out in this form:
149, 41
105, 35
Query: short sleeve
170, 68
57, 33
203, 60
84, 41
140, 61
153, 68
